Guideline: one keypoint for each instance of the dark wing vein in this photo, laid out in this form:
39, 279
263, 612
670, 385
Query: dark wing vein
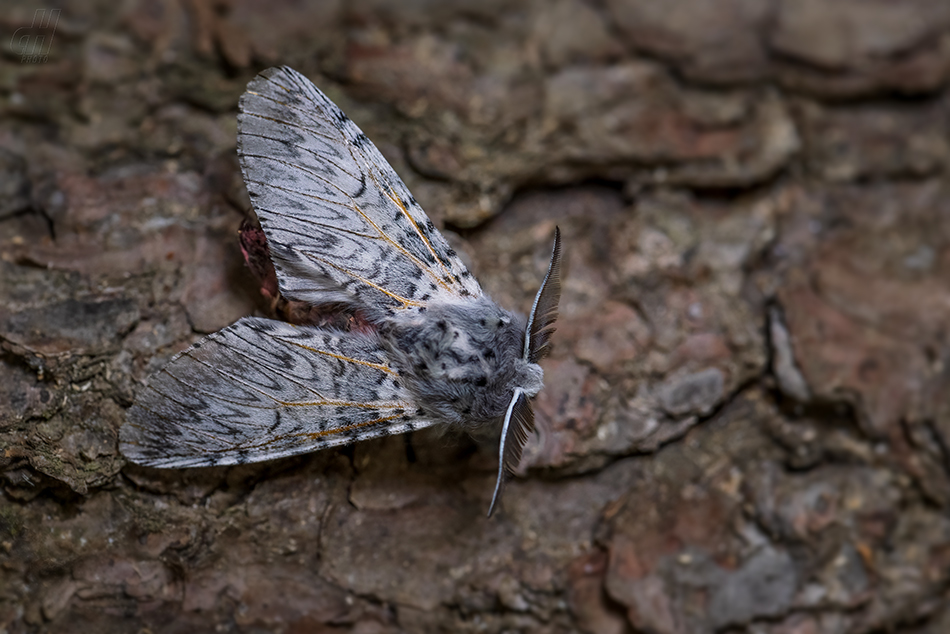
306, 164
355, 207
219, 403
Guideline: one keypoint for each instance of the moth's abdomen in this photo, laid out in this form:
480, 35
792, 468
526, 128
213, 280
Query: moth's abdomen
462, 360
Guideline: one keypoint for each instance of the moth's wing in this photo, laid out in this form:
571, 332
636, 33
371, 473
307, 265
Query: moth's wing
544, 311
341, 224
262, 389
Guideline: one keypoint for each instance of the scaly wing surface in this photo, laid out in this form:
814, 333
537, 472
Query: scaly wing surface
341, 224
262, 389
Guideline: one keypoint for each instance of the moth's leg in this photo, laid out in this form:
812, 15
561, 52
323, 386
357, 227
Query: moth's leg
410, 450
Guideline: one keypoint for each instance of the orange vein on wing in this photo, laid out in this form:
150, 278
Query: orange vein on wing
406, 303
405, 212
316, 434
359, 404
382, 234
356, 208
377, 366
402, 249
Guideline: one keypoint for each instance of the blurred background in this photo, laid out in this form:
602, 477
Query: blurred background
745, 426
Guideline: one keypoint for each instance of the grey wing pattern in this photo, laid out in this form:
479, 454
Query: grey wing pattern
262, 389
341, 224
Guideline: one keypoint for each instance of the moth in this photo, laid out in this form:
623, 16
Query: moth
428, 346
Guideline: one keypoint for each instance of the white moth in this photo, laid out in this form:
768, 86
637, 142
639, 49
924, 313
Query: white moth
343, 231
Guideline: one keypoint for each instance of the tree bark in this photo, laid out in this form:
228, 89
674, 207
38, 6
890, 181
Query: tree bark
744, 425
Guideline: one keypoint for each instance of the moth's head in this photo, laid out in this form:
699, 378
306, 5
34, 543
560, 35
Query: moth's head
531, 379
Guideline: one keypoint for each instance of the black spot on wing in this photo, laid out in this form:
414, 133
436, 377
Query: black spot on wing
276, 424
340, 119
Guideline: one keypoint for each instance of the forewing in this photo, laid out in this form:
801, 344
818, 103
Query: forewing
544, 311
341, 224
261, 389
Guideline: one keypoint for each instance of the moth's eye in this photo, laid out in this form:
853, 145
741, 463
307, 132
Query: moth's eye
501, 323
481, 381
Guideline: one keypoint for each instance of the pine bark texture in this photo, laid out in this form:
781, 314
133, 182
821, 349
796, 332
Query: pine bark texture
745, 426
